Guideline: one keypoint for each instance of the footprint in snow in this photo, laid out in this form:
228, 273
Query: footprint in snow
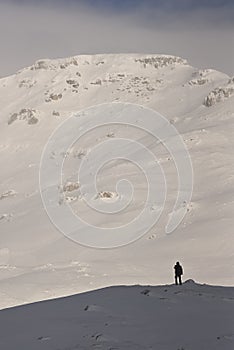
43, 338
92, 308
146, 292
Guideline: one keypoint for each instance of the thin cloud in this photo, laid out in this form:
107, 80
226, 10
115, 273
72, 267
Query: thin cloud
29, 31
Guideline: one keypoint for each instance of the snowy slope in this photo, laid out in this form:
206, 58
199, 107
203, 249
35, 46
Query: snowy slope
167, 317
36, 260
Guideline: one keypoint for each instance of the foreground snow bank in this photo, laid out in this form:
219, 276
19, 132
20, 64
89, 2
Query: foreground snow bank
189, 317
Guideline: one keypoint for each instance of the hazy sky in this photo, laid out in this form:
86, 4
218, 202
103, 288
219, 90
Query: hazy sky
201, 31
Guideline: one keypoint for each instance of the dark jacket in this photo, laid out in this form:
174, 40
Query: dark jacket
178, 270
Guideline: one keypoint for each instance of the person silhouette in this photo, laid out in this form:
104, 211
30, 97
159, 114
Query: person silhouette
178, 273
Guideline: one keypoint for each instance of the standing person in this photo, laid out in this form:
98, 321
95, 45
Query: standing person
178, 272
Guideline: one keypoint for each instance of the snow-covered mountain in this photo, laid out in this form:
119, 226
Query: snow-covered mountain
36, 260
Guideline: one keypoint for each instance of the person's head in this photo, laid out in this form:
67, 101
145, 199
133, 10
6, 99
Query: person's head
177, 263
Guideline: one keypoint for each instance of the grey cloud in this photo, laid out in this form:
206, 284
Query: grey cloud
29, 32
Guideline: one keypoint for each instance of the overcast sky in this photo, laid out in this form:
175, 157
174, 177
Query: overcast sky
201, 31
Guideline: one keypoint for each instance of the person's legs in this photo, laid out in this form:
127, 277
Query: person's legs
180, 281
176, 280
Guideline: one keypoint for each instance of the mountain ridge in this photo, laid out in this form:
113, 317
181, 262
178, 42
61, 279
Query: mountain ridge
35, 101
133, 317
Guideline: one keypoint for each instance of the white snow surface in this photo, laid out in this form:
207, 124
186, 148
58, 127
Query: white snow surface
190, 316
37, 262
168, 317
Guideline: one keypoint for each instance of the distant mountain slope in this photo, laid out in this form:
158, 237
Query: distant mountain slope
167, 317
36, 261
